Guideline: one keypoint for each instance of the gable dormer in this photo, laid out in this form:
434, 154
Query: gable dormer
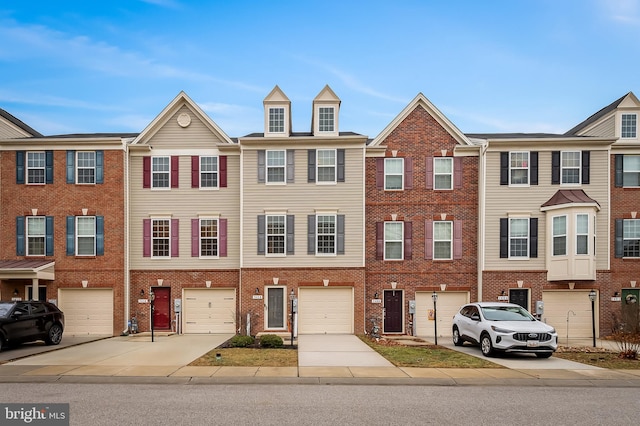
324, 118
277, 114
627, 118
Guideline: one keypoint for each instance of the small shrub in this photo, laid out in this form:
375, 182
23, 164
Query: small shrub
271, 341
239, 341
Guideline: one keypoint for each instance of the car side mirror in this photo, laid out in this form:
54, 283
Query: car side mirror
475, 317
17, 314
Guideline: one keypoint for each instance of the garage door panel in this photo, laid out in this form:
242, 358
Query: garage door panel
87, 311
208, 311
325, 310
448, 304
569, 312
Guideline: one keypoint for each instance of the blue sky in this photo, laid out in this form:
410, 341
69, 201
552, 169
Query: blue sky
490, 66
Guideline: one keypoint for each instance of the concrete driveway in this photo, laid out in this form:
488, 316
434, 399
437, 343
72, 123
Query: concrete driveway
337, 350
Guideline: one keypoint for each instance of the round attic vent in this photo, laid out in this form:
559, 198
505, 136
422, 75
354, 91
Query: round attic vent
184, 119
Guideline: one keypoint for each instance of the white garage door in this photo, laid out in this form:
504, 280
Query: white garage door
448, 304
209, 310
87, 311
570, 313
325, 310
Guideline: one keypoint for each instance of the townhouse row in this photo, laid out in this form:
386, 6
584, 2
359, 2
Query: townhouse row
232, 235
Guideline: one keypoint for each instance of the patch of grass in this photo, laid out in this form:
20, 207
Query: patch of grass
249, 357
425, 356
610, 360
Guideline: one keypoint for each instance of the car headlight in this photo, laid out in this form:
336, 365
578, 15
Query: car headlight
501, 330
552, 331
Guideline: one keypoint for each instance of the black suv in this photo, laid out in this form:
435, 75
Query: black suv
28, 321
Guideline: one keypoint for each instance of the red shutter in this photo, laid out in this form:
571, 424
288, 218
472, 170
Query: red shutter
457, 172
379, 240
174, 171
428, 239
408, 173
146, 237
195, 237
223, 171
457, 239
222, 237
175, 233
380, 173
429, 172
195, 171
408, 240
146, 172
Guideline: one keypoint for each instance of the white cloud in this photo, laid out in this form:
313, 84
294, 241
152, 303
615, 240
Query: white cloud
623, 11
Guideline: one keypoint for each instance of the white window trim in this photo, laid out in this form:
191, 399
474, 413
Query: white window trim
578, 234
200, 219
335, 121
625, 170
401, 174
335, 235
528, 169
450, 240
266, 235
554, 235
562, 153
44, 236
200, 172
43, 168
78, 168
154, 219
401, 241
435, 174
636, 129
335, 167
285, 119
528, 238
267, 167
78, 236
156, 188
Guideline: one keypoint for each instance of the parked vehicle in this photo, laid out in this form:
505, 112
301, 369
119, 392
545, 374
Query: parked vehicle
29, 321
504, 327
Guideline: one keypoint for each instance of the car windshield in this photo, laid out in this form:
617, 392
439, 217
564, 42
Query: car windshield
506, 313
4, 309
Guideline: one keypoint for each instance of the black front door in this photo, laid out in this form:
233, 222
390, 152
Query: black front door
519, 296
392, 311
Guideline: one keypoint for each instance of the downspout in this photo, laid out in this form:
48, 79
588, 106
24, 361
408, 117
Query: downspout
364, 226
241, 263
127, 289
481, 213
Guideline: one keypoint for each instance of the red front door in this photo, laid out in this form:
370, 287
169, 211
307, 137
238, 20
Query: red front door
161, 308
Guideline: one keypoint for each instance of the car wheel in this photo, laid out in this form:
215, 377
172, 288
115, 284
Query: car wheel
55, 335
543, 355
485, 345
457, 340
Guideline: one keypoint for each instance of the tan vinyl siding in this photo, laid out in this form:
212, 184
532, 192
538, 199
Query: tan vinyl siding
172, 136
502, 200
606, 128
185, 203
302, 199
9, 131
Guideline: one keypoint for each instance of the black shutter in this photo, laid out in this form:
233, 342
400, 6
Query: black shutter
533, 167
555, 168
619, 238
504, 168
291, 234
586, 156
261, 233
504, 237
340, 165
533, 237
311, 165
619, 161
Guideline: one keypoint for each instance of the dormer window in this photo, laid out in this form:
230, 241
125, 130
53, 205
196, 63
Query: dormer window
276, 120
326, 119
629, 126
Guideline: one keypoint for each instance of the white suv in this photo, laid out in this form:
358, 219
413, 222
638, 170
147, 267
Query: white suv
505, 327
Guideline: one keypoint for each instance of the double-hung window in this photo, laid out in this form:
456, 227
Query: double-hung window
629, 124
559, 236
209, 172
393, 173
326, 120
443, 173
86, 236
442, 240
86, 164
326, 165
518, 168
160, 237
631, 171
326, 234
276, 235
160, 172
276, 163
582, 234
518, 237
276, 120
208, 237
570, 167
36, 235
631, 238
36, 164
393, 240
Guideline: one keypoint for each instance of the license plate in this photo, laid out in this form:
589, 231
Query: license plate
532, 343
